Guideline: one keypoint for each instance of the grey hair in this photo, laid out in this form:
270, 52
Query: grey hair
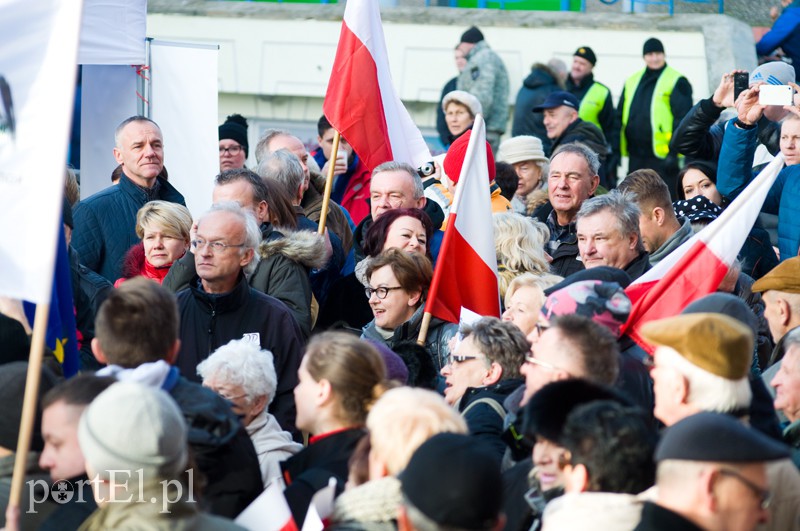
582, 150
262, 148
252, 233
621, 206
126, 121
419, 189
791, 339
243, 364
283, 166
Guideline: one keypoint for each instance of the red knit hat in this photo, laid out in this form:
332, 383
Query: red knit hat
455, 158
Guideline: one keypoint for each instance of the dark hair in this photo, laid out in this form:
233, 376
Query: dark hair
280, 207
648, 190
505, 176
77, 391
615, 443
594, 343
137, 323
379, 230
412, 270
709, 169
323, 125
358, 464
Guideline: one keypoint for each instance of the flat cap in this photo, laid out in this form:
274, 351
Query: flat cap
783, 277
716, 437
714, 342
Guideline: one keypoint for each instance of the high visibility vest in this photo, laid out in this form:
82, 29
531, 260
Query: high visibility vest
660, 110
592, 103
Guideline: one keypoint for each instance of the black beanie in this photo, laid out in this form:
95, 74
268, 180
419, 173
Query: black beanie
652, 45
472, 35
235, 128
587, 53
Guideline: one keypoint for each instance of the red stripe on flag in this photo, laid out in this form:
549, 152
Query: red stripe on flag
461, 278
353, 103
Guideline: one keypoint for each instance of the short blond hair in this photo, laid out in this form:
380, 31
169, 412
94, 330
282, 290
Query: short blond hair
404, 418
530, 280
173, 219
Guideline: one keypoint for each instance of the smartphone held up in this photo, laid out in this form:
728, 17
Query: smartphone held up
775, 95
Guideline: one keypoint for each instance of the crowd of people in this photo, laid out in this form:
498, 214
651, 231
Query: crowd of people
243, 348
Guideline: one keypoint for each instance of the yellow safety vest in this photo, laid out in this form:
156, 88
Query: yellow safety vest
592, 103
660, 110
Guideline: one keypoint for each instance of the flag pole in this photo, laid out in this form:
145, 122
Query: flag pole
423, 329
29, 403
326, 196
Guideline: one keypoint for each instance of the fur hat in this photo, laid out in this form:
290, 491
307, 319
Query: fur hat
464, 98
454, 159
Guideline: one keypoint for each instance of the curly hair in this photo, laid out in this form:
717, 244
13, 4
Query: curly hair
520, 246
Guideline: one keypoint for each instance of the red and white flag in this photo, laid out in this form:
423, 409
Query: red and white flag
361, 102
269, 512
697, 267
466, 270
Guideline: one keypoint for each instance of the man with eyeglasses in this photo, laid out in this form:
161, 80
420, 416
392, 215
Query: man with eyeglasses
221, 306
233, 146
712, 475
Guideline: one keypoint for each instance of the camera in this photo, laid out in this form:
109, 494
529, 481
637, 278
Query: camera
426, 170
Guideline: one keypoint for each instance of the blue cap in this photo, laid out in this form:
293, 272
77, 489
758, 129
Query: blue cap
558, 99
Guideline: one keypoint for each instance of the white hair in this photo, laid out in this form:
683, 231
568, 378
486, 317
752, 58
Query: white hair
252, 233
243, 364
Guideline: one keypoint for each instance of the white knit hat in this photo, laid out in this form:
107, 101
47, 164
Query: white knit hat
521, 148
464, 98
130, 427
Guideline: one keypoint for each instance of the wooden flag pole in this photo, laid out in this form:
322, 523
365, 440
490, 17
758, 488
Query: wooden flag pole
326, 196
423, 329
29, 403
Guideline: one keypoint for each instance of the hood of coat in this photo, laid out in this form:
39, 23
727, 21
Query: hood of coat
304, 247
541, 75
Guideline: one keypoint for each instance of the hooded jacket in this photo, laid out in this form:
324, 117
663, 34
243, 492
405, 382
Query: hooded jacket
486, 78
535, 89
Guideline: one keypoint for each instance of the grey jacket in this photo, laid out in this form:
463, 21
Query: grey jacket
486, 78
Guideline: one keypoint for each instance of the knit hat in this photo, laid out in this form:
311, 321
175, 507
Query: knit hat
773, 73
467, 490
235, 128
395, 366
713, 342
601, 273
605, 303
464, 98
783, 277
454, 159
586, 53
558, 98
12, 392
698, 208
130, 427
472, 36
652, 45
521, 148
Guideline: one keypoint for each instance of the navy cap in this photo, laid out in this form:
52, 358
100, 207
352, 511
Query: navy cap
558, 99
718, 438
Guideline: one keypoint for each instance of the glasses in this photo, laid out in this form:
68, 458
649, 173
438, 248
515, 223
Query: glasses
541, 327
452, 359
216, 247
233, 150
232, 398
380, 292
540, 363
764, 495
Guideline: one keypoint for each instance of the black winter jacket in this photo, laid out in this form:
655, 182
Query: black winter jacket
535, 89
483, 411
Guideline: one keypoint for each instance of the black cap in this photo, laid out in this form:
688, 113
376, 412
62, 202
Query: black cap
546, 412
601, 273
472, 35
558, 99
718, 438
235, 128
586, 53
652, 45
454, 480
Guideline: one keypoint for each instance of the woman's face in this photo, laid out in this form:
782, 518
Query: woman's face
530, 177
398, 306
546, 456
241, 404
408, 234
695, 183
458, 118
161, 250
306, 394
524, 308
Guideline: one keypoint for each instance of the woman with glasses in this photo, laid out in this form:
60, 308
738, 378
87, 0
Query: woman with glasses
233, 143
164, 229
408, 229
397, 285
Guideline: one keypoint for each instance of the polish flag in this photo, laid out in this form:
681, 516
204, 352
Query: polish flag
466, 270
268, 512
697, 267
361, 102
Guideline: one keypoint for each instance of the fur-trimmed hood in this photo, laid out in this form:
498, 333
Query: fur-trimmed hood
304, 247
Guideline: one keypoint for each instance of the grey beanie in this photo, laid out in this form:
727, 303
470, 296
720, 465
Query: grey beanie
130, 427
773, 73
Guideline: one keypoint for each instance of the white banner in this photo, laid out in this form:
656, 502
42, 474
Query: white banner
113, 32
183, 102
37, 82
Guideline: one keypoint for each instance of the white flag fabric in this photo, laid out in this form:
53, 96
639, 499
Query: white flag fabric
37, 82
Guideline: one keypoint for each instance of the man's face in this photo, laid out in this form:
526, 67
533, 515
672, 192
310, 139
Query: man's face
293, 144
141, 152
221, 266
739, 497
580, 68
326, 143
651, 232
787, 384
460, 58
231, 155
547, 366
570, 184
772, 313
666, 389
790, 142
601, 243
558, 119
240, 191
62, 456
390, 190
466, 368
655, 60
